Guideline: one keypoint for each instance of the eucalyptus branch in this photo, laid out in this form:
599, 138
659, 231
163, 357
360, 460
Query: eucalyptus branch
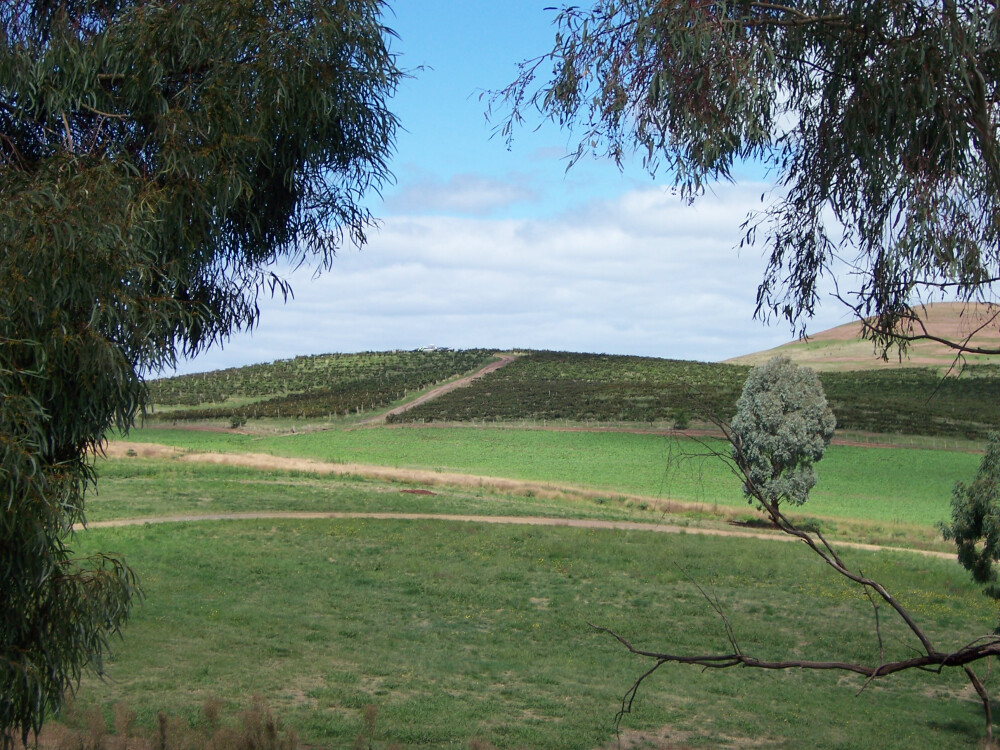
878, 634
871, 329
937, 660
944, 285
109, 115
934, 661
69, 135
13, 150
796, 19
739, 466
795, 12
834, 561
714, 603
878, 625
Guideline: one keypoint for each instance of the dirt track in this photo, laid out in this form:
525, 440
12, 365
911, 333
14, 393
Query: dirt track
579, 523
425, 478
266, 461
505, 359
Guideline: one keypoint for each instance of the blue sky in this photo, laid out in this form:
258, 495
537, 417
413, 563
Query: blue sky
482, 245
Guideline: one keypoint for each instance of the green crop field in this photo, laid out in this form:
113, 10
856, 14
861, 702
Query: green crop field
306, 387
460, 635
890, 485
570, 388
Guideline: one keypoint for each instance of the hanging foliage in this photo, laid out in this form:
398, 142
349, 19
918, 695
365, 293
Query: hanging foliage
876, 123
156, 159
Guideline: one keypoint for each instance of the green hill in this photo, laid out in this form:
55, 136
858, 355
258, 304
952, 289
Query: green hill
325, 385
604, 389
587, 389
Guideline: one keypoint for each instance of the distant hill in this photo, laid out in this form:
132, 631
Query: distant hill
309, 387
598, 389
540, 387
843, 349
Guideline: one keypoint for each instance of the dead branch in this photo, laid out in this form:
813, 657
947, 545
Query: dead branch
985, 698
935, 661
927, 657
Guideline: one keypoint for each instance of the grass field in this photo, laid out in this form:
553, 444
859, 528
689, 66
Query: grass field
460, 634
886, 485
436, 634
433, 633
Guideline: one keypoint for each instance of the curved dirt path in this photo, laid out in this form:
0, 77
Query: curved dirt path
578, 523
267, 461
422, 477
505, 359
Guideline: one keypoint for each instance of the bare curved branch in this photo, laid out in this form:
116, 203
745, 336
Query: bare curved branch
928, 657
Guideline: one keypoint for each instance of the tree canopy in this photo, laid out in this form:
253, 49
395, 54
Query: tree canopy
876, 122
156, 159
782, 427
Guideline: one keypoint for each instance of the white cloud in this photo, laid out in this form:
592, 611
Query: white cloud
643, 274
464, 194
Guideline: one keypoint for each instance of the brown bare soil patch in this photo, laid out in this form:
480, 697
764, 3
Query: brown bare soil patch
842, 348
665, 738
668, 738
122, 449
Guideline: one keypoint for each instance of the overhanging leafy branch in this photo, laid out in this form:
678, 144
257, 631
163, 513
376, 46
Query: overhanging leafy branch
876, 123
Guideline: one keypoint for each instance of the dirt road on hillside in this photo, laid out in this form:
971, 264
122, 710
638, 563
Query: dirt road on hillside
537, 489
505, 359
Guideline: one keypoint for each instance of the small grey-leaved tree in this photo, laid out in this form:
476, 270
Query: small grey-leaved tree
782, 426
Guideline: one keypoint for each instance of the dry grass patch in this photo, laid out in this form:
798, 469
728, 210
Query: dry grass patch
255, 728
